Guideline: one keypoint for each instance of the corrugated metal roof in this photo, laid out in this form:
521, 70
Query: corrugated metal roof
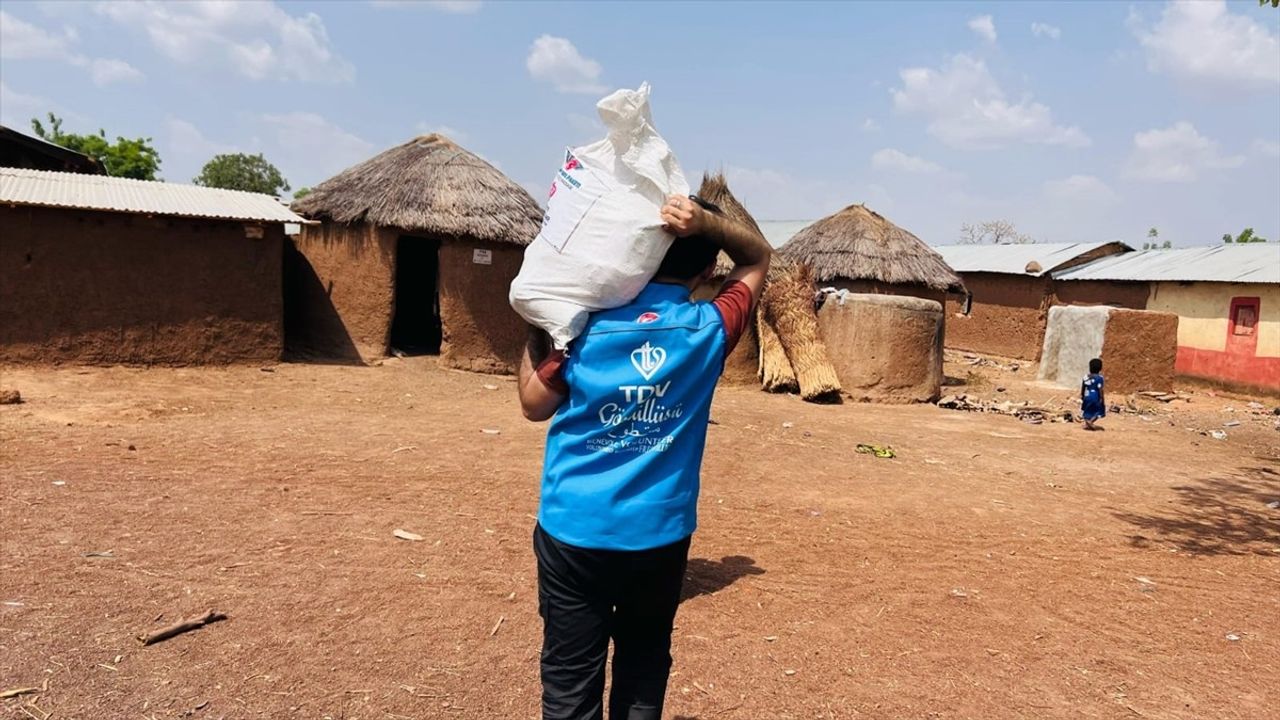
1252, 263
1014, 259
19, 186
778, 232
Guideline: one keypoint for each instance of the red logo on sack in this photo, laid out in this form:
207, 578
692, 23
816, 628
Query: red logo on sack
646, 318
553, 190
572, 163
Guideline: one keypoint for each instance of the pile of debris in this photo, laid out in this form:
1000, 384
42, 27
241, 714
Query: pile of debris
979, 361
1165, 396
1024, 411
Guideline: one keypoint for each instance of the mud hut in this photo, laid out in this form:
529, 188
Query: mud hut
858, 250
742, 365
859, 253
414, 252
105, 270
796, 362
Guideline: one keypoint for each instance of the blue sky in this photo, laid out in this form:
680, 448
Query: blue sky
1077, 121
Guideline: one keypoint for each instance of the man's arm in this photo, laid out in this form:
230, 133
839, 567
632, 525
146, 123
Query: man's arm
540, 384
747, 249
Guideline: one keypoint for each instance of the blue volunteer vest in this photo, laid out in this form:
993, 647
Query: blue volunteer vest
624, 452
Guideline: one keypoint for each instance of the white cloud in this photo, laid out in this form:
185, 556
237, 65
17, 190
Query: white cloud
453, 7
1268, 148
185, 150
1201, 42
20, 40
898, 161
106, 71
17, 109
557, 61
313, 148
185, 135
870, 125
770, 194
1176, 154
1040, 29
257, 39
967, 108
1079, 188
454, 134
984, 27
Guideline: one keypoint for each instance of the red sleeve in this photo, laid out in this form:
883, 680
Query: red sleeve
734, 303
551, 372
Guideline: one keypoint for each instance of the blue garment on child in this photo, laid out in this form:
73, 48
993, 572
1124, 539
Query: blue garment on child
1091, 406
624, 452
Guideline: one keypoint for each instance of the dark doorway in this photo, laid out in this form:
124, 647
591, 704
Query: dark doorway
415, 327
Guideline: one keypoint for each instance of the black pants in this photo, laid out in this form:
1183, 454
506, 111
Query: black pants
586, 597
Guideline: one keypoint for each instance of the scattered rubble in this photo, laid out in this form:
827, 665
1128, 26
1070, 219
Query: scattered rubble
1024, 411
10, 397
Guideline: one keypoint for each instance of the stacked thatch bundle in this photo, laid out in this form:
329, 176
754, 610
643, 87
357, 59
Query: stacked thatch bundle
428, 185
858, 244
791, 355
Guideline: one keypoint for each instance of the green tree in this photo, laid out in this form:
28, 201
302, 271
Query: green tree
301, 193
1246, 236
238, 171
1153, 233
1272, 3
1168, 245
131, 158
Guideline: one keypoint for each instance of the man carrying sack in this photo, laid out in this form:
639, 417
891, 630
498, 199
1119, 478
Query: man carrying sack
631, 399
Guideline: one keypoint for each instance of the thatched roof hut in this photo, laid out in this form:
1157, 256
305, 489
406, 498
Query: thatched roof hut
415, 251
784, 353
859, 244
715, 189
430, 185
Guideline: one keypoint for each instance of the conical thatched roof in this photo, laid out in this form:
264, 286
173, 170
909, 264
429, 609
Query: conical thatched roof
428, 185
715, 189
859, 244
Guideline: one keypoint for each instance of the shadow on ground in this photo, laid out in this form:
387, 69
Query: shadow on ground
1226, 515
705, 577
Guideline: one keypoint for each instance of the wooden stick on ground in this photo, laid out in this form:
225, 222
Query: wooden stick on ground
15, 692
180, 627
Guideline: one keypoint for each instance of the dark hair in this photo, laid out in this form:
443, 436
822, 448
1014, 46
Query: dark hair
689, 256
1095, 366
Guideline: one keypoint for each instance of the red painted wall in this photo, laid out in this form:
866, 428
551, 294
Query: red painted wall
1248, 370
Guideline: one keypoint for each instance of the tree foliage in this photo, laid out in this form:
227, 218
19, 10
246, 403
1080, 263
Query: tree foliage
239, 171
993, 232
301, 193
131, 158
1153, 233
1246, 236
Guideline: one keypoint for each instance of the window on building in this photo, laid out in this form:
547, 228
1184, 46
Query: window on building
1244, 316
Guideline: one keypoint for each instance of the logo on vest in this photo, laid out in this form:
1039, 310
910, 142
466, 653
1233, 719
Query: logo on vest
646, 318
648, 359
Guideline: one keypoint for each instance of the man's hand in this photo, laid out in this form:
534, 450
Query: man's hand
683, 217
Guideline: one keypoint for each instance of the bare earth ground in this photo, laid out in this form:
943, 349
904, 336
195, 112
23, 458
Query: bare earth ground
994, 569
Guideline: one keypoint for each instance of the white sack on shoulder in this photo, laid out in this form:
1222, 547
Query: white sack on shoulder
601, 239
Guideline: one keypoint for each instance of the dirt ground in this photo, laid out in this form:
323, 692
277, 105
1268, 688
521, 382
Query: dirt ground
993, 569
